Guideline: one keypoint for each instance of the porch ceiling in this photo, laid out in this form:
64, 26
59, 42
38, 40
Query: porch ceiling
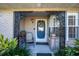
38, 5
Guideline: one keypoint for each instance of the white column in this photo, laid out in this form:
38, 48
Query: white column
66, 19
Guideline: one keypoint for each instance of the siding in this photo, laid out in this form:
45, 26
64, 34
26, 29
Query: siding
6, 24
6, 17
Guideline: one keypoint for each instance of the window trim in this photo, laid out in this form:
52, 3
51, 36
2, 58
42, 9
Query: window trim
67, 25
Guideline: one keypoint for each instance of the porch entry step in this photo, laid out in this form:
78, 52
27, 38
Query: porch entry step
44, 54
42, 43
43, 50
40, 50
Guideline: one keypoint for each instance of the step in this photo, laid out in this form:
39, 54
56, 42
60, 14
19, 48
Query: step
40, 50
44, 54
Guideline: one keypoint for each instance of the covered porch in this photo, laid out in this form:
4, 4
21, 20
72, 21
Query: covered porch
39, 27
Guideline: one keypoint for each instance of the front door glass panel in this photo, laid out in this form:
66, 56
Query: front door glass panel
41, 29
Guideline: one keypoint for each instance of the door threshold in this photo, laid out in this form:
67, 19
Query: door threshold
44, 54
42, 43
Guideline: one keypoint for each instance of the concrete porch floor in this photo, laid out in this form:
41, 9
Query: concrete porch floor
40, 50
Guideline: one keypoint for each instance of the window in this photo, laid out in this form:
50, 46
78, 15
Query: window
71, 32
71, 20
72, 25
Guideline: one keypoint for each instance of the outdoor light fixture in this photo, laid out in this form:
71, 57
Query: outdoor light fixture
32, 20
38, 4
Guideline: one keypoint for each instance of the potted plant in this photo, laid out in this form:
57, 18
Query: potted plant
22, 33
22, 39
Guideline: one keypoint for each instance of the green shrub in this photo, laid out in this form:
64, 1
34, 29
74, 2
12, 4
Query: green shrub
17, 52
76, 42
60, 53
77, 47
6, 44
67, 51
8, 47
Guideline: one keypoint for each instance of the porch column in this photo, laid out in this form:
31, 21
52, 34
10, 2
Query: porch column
16, 24
61, 17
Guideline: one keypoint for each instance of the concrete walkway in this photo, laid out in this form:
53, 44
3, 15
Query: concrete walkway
40, 50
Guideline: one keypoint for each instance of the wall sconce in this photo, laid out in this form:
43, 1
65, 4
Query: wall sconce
32, 20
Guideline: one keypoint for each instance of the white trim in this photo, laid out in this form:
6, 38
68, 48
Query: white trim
66, 21
67, 26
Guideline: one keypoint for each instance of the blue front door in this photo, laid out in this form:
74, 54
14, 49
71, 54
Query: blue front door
41, 29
